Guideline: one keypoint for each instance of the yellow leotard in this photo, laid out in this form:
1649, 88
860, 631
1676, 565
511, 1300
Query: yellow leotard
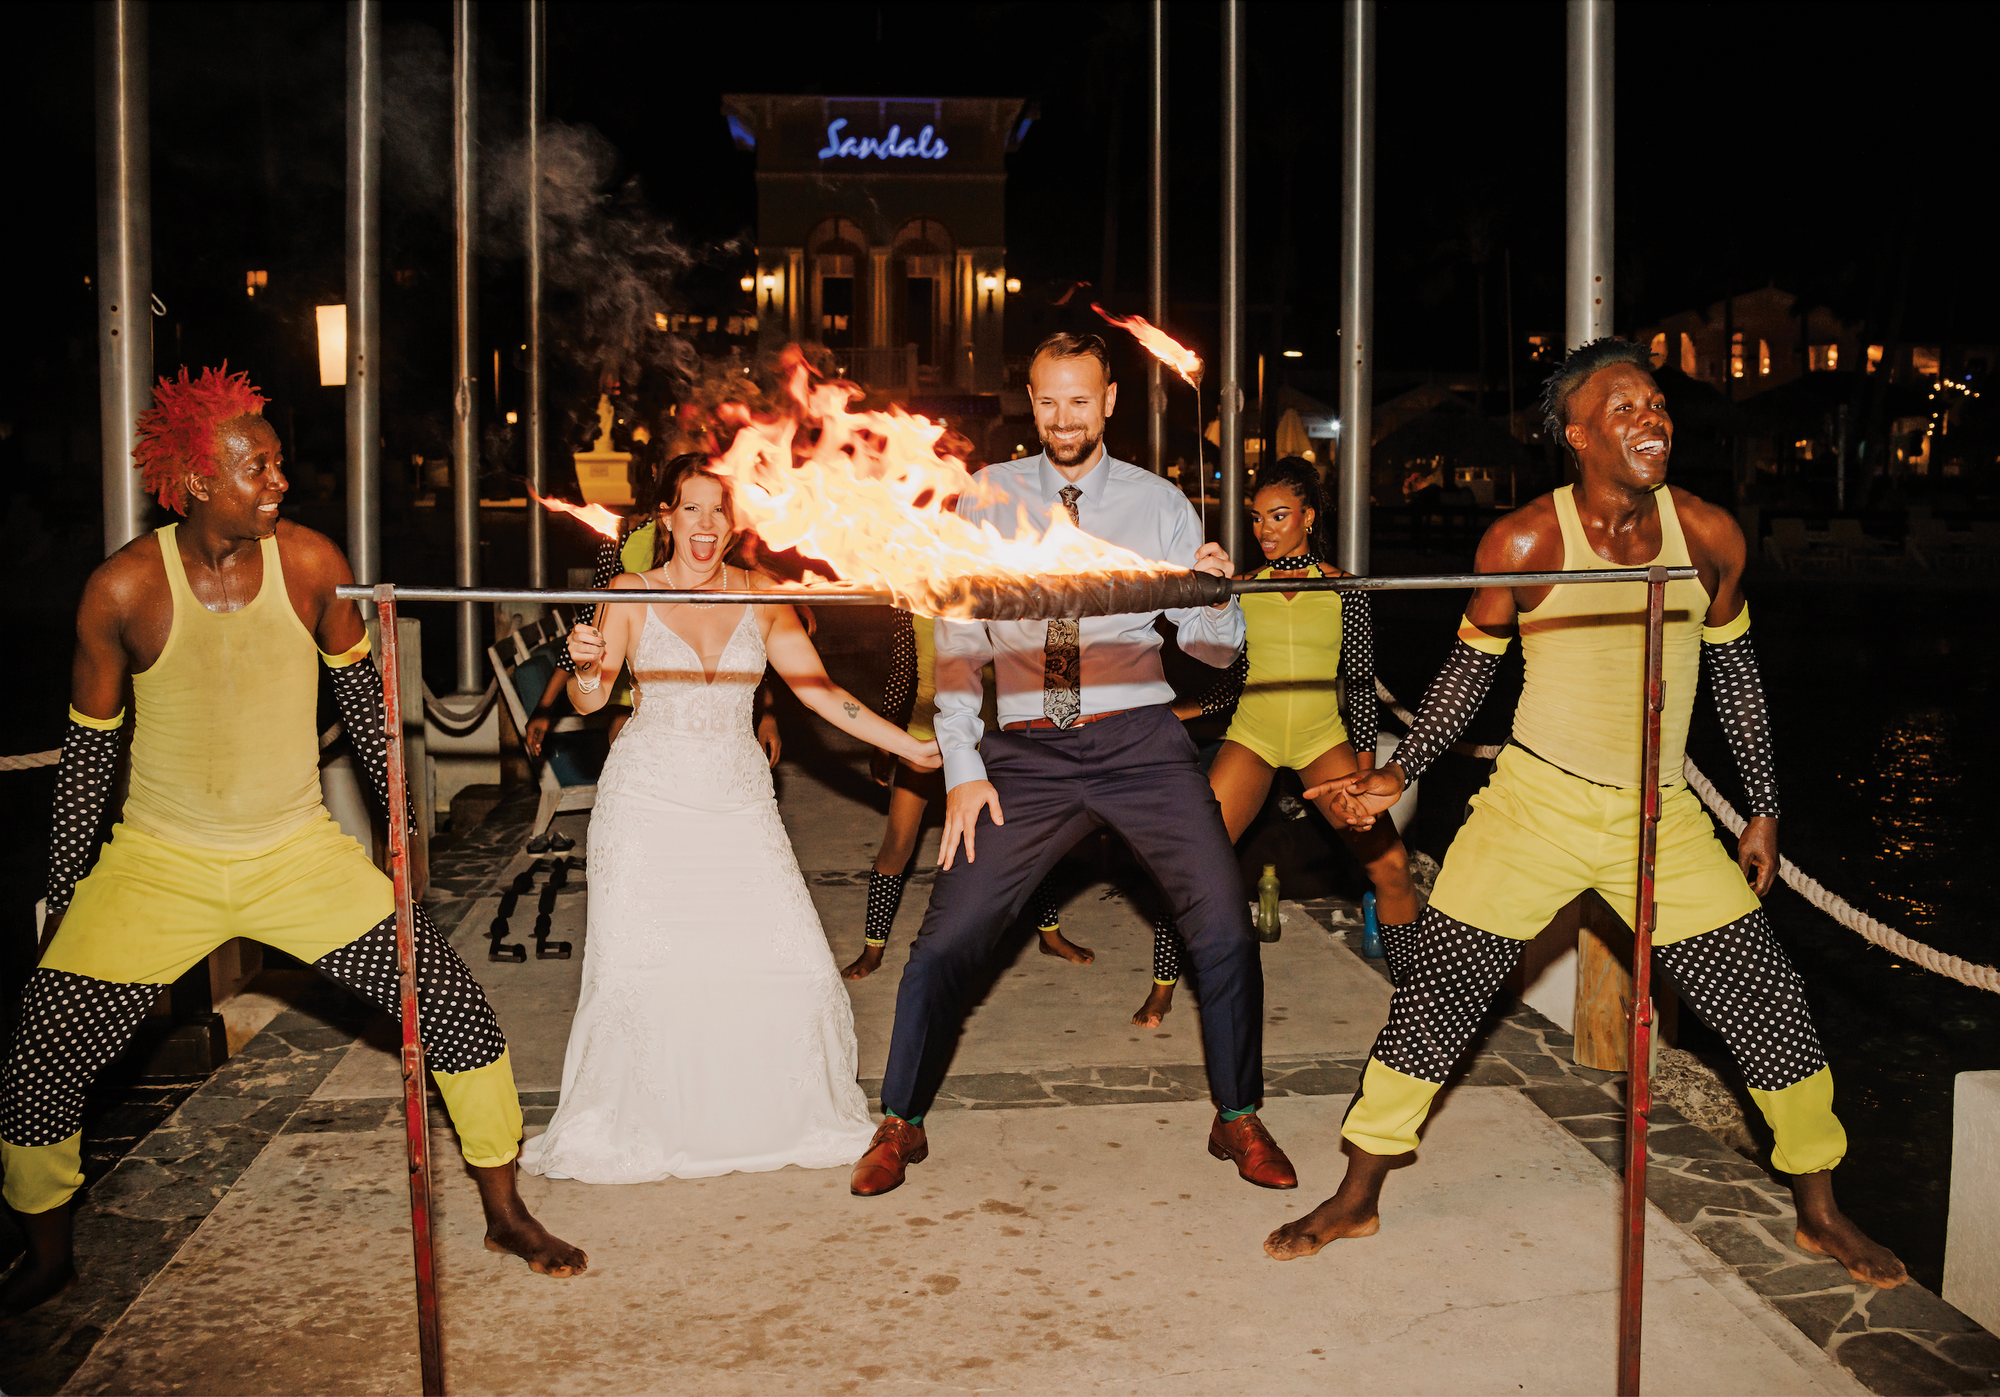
1289, 714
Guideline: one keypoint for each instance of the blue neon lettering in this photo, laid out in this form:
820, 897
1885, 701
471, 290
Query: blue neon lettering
925, 145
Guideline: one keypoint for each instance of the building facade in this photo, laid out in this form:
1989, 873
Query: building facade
881, 234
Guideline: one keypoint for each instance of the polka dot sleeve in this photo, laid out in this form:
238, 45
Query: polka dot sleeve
1221, 695
83, 786
1357, 667
1453, 697
1739, 701
607, 567
357, 689
899, 691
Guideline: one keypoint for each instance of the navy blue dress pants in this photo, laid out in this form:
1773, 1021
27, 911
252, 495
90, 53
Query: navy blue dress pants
1138, 773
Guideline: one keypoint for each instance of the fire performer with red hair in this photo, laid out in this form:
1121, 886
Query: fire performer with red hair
1087, 739
220, 623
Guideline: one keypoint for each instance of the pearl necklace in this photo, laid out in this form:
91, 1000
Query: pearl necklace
709, 605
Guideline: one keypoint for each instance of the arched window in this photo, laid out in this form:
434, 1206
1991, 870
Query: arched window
924, 255
1689, 363
1763, 358
1659, 349
835, 250
1736, 355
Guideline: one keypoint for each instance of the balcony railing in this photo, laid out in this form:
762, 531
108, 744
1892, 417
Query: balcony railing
892, 370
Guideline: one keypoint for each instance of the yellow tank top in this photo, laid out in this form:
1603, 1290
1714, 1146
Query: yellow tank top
1586, 652
923, 712
1294, 646
224, 752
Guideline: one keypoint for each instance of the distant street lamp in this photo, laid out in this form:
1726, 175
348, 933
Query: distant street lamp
332, 345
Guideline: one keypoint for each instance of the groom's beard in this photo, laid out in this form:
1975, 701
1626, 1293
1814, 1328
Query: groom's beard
1062, 455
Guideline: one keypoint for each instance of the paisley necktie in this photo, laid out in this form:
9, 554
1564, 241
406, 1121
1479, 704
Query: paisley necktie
1062, 672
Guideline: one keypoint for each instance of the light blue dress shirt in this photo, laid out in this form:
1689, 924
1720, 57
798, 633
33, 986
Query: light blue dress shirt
1121, 504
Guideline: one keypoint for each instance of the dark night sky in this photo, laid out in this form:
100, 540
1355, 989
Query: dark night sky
1821, 147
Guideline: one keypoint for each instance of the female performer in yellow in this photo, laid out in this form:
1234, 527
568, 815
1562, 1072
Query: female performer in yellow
1297, 646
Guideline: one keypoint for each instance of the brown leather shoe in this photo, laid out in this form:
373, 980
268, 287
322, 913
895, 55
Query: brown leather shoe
1256, 1154
896, 1146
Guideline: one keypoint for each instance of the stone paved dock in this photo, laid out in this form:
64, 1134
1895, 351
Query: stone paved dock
1068, 1233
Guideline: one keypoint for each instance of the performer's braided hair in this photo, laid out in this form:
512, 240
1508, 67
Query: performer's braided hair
1302, 478
1575, 371
177, 433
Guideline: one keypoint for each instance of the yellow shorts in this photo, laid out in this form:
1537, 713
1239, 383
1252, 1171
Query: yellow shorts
1288, 725
150, 909
1538, 836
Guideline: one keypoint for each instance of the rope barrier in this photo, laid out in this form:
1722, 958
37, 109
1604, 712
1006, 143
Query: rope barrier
455, 721
28, 761
1980, 977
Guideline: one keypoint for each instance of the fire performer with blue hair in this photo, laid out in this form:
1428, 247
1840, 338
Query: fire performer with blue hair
220, 623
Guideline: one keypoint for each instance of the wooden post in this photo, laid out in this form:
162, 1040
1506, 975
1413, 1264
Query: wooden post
1603, 987
415, 1111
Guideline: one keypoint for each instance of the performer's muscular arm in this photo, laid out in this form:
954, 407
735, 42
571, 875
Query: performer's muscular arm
1528, 540
1717, 547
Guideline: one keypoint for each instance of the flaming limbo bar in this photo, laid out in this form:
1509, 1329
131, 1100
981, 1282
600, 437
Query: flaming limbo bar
1059, 595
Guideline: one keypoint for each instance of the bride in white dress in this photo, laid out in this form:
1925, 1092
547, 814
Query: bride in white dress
712, 1033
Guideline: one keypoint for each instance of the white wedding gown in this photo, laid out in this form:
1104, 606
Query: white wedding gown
712, 1032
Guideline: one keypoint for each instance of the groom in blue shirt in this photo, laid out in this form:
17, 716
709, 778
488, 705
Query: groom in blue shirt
1086, 739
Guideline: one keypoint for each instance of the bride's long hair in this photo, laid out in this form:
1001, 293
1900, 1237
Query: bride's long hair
667, 498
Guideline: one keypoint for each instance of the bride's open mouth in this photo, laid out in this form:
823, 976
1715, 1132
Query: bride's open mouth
702, 547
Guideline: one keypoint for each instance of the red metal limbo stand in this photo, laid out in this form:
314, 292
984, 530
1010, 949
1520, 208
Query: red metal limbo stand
1638, 1103
415, 1115
1639, 1047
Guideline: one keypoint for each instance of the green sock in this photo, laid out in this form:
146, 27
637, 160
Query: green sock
1239, 1115
906, 1120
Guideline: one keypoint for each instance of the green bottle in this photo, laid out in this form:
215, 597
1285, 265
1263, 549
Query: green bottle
1269, 926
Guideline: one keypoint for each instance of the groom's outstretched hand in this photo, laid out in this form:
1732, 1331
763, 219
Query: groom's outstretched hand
962, 804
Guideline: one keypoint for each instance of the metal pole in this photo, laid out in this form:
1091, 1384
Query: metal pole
538, 519
364, 288
416, 1115
1638, 1052
1587, 279
1156, 244
465, 435
1357, 277
124, 261
1230, 424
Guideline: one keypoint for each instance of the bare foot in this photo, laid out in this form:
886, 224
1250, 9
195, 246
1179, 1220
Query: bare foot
1355, 1210
1158, 1004
545, 1253
512, 1229
1054, 943
1329, 1222
865, 964
1826, 1231
49, 1266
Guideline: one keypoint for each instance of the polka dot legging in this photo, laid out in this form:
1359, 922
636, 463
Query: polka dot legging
72, 1026
1736, 978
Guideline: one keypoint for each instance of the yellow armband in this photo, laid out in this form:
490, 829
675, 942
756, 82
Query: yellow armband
1728, 630
111, 724
1479, 640
358, 651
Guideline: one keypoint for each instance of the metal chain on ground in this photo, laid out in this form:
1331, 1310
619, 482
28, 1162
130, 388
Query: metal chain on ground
1980, 977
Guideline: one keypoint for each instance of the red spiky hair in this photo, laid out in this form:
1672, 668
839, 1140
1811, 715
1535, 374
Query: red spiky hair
177, 433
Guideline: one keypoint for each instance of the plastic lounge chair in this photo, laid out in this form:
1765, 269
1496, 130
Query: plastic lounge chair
573, 753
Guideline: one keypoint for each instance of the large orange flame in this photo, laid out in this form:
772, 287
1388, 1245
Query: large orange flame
594, 515
1159, 344
869, 493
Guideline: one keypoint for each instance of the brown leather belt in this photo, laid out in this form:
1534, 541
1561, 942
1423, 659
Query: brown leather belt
1074, 722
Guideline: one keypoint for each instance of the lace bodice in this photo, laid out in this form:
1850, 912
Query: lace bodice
691, 735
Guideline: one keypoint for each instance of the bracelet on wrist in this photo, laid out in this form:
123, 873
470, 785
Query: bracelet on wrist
588, 686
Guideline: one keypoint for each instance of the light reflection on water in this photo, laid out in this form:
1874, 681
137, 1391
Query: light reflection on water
1905, 789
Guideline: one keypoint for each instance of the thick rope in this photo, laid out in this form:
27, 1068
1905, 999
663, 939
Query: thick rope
28, 761
1980, 977
455, 721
